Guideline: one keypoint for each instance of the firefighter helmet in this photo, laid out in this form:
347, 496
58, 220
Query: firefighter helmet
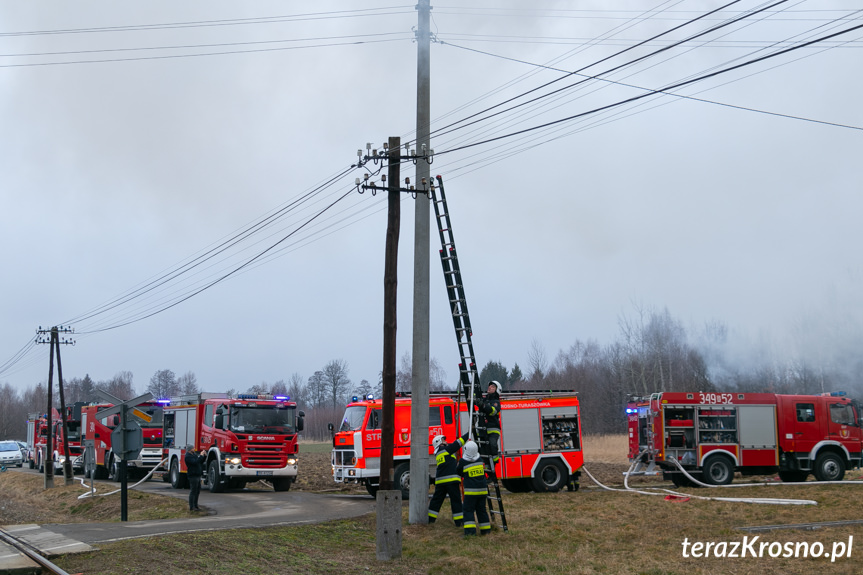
438, 441
471, 451
497, 386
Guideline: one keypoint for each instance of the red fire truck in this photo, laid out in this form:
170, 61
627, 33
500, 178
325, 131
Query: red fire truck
98, 429
37, 438
246, 438
712, 435
540, 443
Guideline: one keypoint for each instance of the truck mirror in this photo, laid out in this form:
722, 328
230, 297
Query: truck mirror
301, 420
220, 421
330, 427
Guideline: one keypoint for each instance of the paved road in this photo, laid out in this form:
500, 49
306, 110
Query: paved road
229, 510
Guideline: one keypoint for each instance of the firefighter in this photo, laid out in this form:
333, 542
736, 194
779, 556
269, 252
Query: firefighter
447, 481
194, 470
490, 424
472, 470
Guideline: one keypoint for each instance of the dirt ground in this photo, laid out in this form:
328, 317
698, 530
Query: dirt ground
24, 499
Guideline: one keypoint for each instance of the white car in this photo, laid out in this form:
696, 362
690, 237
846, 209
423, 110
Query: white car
10, 453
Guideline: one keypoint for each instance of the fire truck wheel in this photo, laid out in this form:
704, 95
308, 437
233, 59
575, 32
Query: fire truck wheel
214, 477
113, 470
719, 470
550, 476
31, 464
282, 484
829, 467
176, 479
402, 480
100, 473
372, 489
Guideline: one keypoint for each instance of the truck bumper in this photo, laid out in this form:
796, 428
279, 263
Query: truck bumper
290, 470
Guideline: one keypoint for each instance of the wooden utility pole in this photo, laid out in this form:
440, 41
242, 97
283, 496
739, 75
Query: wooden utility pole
67, 462
390, 293
389, 514
47, 458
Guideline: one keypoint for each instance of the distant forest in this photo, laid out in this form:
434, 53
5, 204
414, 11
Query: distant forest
652, 352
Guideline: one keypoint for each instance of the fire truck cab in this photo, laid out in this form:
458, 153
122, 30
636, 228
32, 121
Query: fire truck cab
712, 435
37, 437
540, 445
246, 438
98, 429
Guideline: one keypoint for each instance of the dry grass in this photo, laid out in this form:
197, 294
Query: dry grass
590, 531
606, 448
585, 532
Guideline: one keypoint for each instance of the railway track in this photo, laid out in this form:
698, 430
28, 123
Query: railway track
39, 563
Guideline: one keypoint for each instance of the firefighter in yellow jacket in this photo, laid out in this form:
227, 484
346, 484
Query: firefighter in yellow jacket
447, 481
472, 470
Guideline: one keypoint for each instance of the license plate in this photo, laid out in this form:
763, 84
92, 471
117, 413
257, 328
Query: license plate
264, 473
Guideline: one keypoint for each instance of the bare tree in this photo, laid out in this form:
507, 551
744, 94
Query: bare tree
336, 381
13, 414
164, 384
188, 384
297, 390
317, 392
404, 374
537, 359
120, 386
437, 376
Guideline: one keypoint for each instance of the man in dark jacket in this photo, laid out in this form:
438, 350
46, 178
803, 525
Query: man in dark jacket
471, 468
447, 481
490, 422
194, 471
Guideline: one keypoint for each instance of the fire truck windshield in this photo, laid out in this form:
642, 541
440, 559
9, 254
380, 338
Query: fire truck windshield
264, 419
74, 430
155, 412
353, 418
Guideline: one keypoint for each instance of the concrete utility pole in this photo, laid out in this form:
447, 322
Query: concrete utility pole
418, 509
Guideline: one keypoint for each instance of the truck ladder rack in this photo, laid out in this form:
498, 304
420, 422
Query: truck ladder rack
468, 376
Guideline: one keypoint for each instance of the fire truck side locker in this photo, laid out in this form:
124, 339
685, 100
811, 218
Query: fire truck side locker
758, 435
180, 431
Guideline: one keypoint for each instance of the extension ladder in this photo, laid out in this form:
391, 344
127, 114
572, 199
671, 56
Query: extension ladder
468, 376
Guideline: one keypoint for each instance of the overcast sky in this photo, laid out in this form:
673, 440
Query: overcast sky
139, 136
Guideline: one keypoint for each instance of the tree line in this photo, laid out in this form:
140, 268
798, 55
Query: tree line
652, 352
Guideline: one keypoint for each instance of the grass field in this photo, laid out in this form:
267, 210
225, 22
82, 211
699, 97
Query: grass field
588, 531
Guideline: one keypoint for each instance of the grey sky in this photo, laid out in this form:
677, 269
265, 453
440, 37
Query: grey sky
114, 172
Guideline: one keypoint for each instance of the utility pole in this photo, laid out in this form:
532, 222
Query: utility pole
389, 500
418, 507
389, 495
48, 457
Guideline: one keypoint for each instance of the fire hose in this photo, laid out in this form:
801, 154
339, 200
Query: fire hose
94, 494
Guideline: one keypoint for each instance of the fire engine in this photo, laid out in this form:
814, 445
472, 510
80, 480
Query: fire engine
98, 429
37, 437
246, 438
712, 435
540, 443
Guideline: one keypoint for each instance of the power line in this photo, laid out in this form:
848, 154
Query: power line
676, 95
220, 53
224, 22
653, 92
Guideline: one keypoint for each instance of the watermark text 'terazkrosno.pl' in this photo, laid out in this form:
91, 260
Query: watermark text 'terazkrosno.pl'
753, 547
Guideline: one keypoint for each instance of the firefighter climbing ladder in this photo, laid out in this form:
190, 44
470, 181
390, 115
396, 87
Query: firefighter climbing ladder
461, 320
